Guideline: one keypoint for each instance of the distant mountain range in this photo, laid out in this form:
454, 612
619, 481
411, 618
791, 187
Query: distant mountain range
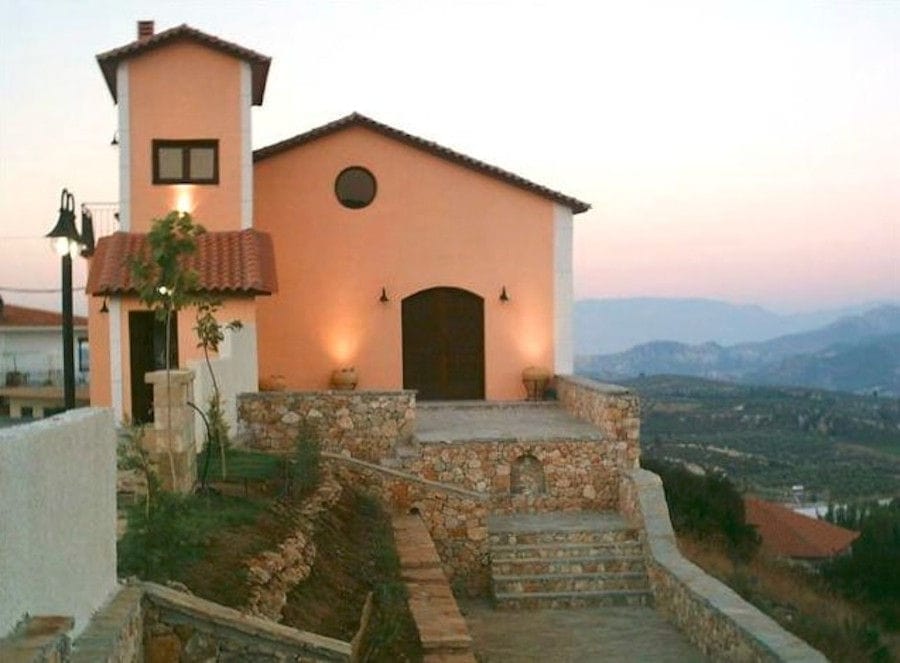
603, 326
855, 353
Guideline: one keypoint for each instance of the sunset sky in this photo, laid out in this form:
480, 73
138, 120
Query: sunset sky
741, 151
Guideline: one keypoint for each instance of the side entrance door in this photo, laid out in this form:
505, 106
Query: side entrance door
147, 348
443, 344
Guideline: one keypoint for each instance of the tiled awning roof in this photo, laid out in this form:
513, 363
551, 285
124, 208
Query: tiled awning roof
233, 262
790, 534
259, 63
356, 119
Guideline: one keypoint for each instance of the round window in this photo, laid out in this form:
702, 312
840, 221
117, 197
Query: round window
355, 187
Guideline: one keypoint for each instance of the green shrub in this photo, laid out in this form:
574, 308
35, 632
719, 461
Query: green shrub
172, 530
706, 505
870, 572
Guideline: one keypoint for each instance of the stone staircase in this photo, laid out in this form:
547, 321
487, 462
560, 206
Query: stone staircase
554, 560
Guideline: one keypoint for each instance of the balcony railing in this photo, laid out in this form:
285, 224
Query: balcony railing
106, 218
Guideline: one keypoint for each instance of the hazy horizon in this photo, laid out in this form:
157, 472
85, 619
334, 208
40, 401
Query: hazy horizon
741, 152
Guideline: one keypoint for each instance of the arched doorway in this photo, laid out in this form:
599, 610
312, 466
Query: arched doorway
443, 344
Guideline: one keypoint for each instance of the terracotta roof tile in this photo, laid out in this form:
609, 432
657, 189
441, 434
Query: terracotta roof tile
356, 119
235, 262
789, 534
259, 63
23, 316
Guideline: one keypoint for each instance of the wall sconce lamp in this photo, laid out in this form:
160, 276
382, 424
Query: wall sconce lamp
384, 299
104, 308
504, 297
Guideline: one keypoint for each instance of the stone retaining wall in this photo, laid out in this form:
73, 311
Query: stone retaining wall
614, 410
456, 518
148, 622
181, 627
563, 475
715, 618
273, 573
365, 424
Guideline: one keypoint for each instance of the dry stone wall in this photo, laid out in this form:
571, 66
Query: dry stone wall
363, 424
455, 518
181, 627
273, 573
612, 409
149, 622
715, 618
544, 475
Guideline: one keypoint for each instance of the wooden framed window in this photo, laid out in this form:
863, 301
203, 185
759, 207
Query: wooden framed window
186, 161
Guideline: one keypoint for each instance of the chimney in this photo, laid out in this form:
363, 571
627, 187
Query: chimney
144, 30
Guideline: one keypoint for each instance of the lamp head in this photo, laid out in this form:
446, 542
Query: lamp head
64, 234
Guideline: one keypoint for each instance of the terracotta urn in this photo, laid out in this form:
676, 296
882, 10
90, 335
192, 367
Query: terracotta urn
344, 378
272, 383
535, 379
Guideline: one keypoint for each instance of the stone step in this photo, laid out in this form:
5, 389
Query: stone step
514, 538
568, 582
449, 657
622, 597
565, 550
549, 565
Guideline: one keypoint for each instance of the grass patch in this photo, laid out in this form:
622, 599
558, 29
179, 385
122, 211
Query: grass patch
243, 465
161, 541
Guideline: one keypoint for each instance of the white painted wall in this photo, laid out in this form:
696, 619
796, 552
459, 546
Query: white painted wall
124, 146
115, 358
237, 371
38, 352
563, 291
246, 147
57, 517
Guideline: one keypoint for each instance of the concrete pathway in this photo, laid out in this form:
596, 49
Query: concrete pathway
583, 635
448, 422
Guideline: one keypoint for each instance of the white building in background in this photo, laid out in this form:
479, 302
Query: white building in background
31, 346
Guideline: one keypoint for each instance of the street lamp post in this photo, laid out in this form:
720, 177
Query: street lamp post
68, 243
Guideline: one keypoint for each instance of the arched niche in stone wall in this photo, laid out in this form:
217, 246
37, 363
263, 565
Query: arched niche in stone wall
526, 476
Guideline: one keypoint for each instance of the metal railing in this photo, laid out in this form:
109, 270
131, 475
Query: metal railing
106, 218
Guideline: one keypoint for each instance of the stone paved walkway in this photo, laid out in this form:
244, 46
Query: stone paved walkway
583, 635
448, 422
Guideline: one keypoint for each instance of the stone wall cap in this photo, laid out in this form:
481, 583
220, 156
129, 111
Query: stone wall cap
718, 597
594, 385
61, 420
208, 611
176, 375
434, 485
273, 395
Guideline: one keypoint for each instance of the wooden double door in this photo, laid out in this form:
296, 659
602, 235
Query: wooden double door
443, 344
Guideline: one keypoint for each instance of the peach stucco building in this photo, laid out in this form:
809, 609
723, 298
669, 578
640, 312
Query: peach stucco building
420, 267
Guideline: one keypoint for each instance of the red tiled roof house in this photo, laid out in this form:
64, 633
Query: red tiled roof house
786, 533
419, 266
30, 345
